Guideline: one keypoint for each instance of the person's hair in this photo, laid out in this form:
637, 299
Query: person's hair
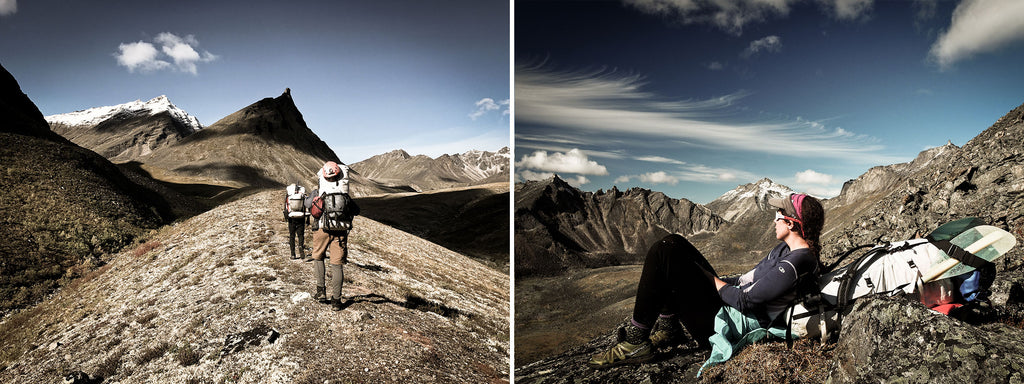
813, 215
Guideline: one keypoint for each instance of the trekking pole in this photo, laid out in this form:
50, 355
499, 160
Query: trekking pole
948, 264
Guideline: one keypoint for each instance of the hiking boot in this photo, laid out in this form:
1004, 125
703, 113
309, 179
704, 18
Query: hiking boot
666, 333
321, 294
336, 304
622, 353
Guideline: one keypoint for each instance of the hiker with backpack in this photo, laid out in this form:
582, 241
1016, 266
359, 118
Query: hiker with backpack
678, 285
295, 215
333, 210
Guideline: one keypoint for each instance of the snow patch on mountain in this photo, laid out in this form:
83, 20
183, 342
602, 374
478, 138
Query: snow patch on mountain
94, 116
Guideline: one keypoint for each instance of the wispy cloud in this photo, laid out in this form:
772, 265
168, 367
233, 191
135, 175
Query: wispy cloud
979, 26
732, 16
144, 57
659, 159
848, 9
691, 172
588, 103
8, 7
767, 44
487, 105
573, 161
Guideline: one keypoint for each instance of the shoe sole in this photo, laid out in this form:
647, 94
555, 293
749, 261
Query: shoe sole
632, 361
626, 361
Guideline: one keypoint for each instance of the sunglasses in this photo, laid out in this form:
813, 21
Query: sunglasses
780, 216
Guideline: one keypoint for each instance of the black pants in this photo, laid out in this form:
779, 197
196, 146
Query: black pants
672, 282
296, 226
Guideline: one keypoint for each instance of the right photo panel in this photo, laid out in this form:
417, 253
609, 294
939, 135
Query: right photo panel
768, 191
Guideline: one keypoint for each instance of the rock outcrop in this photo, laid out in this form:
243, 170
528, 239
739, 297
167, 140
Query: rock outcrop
898, 340
558, 226
216, 299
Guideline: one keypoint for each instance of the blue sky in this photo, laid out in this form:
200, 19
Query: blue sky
368, 76
695, 97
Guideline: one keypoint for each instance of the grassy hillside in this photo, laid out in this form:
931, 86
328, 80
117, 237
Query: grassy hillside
64, 208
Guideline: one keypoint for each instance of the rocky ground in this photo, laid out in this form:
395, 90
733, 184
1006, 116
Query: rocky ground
216, 299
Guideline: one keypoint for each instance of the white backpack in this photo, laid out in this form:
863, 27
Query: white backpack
296, 200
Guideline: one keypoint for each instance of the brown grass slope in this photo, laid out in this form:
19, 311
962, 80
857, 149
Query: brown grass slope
64, 208
216, 299
470, 220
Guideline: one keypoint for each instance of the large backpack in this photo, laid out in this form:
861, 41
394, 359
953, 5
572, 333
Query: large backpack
296, 200
337, 211
887, 268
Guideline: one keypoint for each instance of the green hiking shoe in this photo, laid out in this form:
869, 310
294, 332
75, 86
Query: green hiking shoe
622, 353
667, 332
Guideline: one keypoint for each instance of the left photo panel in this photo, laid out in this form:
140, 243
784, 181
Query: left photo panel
255, 192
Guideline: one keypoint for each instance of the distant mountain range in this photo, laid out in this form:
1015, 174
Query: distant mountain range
422, 173
557, 226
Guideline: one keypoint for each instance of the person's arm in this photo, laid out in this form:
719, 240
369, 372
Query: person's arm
773, 282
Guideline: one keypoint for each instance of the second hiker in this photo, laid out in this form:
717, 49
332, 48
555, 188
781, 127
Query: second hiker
295, 214
333, 210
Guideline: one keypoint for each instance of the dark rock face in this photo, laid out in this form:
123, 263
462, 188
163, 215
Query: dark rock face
898, 340
558, 226
20, 114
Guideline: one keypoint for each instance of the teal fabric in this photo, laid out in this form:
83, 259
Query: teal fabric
733, 331
949, 230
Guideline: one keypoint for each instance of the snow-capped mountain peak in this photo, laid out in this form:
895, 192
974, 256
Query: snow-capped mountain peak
93, 116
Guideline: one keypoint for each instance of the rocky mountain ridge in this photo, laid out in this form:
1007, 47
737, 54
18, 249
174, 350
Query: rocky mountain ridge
216, 299
95, 116
126, 132
423, 173
558, 226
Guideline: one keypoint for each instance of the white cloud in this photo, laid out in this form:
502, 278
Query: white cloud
614, 106
728, 15
531, 175
848, 9
8, 7
979, 26
812, 177
767, 44
732, 16
140, 56
659, 177
487, 104
573, 161
528, 175
622, 179
716, 66
144, 56
577, 181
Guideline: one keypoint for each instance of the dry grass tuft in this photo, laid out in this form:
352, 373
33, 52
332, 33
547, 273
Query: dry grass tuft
808, 362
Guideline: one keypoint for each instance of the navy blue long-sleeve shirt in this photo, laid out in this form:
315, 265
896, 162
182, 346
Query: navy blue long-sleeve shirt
770, 287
